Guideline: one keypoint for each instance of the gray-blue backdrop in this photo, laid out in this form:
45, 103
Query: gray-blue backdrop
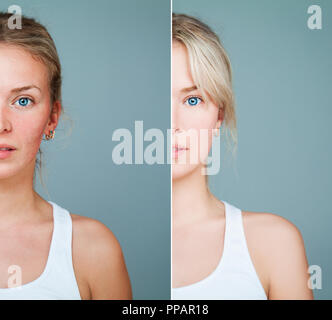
283, 86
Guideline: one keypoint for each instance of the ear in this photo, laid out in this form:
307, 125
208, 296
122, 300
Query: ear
54, 116
220, 118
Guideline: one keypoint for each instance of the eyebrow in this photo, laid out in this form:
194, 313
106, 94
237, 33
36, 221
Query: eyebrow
189, 89
16, 90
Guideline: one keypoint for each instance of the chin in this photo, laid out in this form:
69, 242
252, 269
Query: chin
180, 171
7, 171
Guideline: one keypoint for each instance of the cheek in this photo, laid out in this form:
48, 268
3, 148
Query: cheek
201, 124
29, 130
203, 118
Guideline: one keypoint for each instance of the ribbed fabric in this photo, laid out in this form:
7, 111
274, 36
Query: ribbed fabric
235, 277
58, 281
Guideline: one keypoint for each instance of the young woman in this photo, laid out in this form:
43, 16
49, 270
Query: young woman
218, 250
45, 251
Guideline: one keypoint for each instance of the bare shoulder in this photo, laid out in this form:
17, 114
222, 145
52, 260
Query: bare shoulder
270, 222
277, 249
93, 234
275, 230
98, 260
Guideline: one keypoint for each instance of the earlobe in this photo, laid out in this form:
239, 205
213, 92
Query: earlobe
220, 118
219, 122
50, 135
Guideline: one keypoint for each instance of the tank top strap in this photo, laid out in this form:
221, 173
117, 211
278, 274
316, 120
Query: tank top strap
60, 250
236, 254
60, 260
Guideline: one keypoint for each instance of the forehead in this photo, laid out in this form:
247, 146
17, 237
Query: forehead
181, 73
19, 68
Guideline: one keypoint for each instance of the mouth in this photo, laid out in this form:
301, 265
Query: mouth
176, 149
6, 151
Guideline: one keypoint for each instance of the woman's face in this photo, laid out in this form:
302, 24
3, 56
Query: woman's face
25, 107
193, 119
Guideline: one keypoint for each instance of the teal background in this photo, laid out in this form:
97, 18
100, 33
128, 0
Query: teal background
282, 81
115, 57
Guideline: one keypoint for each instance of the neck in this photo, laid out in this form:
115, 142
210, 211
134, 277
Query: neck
17, 197
191, 198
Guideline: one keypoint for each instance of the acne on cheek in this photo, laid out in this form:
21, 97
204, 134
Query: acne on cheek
31, 131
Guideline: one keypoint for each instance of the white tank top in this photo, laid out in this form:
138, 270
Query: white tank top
58, 280
235, 277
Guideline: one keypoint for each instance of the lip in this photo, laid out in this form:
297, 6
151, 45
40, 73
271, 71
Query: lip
3, 145
4, 154
178, 149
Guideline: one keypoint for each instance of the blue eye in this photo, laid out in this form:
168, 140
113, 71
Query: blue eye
23, 102
193, 101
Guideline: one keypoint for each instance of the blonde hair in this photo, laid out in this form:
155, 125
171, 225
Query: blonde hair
35, 39
210, 68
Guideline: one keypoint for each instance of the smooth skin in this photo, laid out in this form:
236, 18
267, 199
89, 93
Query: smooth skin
26, 220
275, 244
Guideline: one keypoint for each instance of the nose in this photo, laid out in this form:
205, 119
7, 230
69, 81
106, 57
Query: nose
5, 125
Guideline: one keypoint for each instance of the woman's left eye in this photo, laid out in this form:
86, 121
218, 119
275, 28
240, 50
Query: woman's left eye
193, 101
23, 102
